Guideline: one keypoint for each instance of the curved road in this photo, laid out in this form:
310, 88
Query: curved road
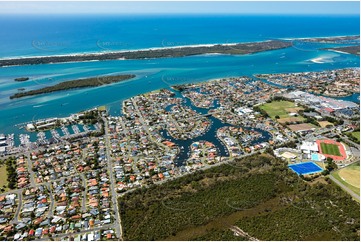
348, 190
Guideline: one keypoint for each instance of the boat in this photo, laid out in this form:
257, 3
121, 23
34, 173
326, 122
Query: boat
75, 129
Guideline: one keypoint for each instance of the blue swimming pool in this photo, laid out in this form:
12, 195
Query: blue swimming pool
315, 157
305, 168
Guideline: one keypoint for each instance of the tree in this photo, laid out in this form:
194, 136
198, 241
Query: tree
330, 164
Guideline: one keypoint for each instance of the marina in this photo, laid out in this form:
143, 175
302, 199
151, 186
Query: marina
179, 125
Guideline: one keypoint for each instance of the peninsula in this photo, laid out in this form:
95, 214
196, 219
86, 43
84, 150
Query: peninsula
80, 83
355, 49
234, 49
331, 40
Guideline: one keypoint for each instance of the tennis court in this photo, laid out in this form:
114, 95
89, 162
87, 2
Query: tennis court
305, 168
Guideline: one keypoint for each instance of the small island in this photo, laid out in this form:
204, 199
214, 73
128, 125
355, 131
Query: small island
233, 49
80, 83
21, 79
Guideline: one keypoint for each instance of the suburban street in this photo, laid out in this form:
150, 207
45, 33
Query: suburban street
118, 225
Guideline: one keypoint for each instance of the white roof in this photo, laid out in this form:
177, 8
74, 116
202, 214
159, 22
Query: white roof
90, 237
10, 197
309, 146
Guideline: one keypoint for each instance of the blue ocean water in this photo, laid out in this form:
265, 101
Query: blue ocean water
24, 35
53, 35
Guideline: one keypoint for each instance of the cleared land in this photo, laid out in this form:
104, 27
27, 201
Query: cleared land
289, 119
301, 127
293, 110
330, 149
259, 194
283, 110
323, 124
350, 177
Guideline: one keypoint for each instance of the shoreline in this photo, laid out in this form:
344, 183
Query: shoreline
320, 37
168, 47
121, 103
129, 50
75, 84
168, 52
338, 51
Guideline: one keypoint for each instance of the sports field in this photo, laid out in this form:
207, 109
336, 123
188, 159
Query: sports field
305, 168
330, 149
350, 177
281, 109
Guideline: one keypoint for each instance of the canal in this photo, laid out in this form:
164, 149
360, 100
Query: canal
210, 135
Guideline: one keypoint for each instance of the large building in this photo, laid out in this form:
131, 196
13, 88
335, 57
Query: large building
309, 147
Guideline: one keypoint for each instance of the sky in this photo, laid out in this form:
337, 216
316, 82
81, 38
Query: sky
173, 7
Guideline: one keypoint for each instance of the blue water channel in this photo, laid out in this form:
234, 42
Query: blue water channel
210, 135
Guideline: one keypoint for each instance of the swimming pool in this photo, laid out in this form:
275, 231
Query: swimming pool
315, 157
305, 168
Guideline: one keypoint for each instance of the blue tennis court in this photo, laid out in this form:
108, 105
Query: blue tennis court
305, 168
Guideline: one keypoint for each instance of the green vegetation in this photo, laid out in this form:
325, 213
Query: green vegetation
21, 79
349, 176
203, 205
238, 49
354, 136
80, 83
333, 120
354, 49
330, 149
3, 178
323, 212
8, 173
90, 117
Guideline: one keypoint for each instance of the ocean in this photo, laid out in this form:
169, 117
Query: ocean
57, 35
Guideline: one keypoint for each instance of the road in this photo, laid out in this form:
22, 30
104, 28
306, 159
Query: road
30, 170
117, 224
83, 204
16, 215
348, 190
145, 127
350, 141
104, 227
51, 197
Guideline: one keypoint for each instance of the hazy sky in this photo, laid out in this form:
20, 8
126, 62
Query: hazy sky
138, 7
